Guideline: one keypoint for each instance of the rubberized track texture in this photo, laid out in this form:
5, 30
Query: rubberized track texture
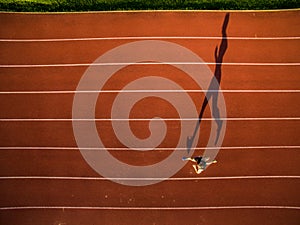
98, 109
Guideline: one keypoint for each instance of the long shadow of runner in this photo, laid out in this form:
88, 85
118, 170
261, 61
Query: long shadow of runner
213, 90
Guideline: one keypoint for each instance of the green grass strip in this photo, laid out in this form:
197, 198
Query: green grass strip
109, 5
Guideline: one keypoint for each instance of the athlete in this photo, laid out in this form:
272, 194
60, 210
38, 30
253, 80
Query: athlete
202, 163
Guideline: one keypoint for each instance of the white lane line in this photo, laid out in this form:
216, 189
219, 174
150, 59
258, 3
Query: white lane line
148, 91
157, 149
145, 179
150, 208
147, 38
143, 119
146, 63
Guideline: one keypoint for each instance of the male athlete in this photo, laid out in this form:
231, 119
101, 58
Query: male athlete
202, 163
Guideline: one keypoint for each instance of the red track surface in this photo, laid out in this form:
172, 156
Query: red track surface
256, 179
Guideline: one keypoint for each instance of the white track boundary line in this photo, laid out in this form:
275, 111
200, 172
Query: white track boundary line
145, 63
145, 179
141, 119
147, 38
147, 91
273, 207
156, 149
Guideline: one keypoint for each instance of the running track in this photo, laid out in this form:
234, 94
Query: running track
44, 178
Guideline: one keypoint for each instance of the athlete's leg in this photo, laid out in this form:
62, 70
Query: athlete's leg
195, 168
